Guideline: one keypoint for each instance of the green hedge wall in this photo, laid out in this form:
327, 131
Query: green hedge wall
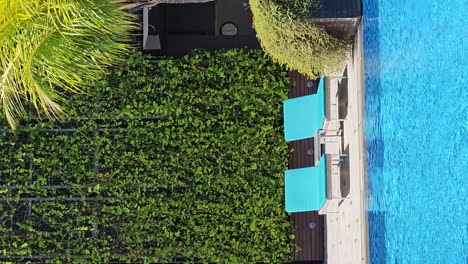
181, 160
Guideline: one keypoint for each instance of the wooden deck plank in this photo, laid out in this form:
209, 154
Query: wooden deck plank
299, 153
308, 226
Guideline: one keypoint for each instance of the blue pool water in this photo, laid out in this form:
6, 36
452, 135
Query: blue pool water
416, 78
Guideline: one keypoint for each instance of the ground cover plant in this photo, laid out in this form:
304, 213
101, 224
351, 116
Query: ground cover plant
52, 47
290, 37
182, 160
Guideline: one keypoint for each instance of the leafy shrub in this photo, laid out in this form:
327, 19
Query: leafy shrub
186, 165
291, 38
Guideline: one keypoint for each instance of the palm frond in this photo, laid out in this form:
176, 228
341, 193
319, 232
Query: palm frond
51, 44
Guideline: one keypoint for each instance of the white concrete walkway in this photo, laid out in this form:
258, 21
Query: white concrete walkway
346, 235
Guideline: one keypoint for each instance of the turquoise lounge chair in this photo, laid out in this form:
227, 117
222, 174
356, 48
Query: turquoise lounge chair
305, 188
313, 188
305, 115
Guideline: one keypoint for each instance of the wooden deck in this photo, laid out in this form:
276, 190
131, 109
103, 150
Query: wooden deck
308, 231
308, 226
298, 85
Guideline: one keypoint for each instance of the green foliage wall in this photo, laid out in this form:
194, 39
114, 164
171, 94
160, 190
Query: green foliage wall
182, 160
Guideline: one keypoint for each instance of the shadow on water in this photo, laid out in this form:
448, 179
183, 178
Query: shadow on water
374, 140
378, 251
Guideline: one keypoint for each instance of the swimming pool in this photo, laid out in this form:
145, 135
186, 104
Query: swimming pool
416, 78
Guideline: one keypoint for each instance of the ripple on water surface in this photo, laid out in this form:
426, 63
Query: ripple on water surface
417, 130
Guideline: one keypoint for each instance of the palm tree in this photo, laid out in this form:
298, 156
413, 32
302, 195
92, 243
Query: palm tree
50, 48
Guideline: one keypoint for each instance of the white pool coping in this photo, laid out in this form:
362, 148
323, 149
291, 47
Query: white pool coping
346, 232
